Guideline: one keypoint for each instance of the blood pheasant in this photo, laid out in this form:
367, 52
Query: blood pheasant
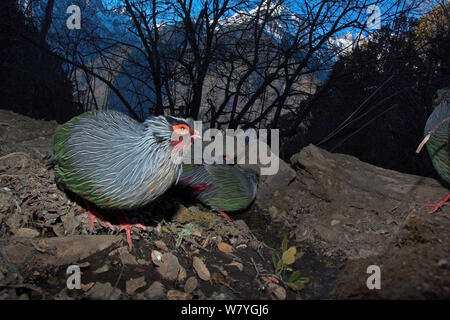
115, 162
438, 143
223, 188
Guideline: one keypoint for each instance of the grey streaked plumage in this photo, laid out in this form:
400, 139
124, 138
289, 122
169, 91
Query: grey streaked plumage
116, 162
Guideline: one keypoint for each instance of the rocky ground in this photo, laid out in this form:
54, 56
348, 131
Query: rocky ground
337, 216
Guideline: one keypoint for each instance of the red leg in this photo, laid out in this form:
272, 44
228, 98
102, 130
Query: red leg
125, 224
437, 205
94, 213
223, 214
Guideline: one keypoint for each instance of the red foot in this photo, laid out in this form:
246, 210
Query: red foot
94, 213
125, 224
223, 214
437, 205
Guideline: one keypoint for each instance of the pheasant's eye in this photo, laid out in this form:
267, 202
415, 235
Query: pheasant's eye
181, 129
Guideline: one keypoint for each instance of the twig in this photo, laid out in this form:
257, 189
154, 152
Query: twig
195, 244
432, 131
15, 154
17, 205
117, 282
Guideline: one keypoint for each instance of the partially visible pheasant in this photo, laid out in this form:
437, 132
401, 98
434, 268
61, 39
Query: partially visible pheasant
438, 143
221, 187
115, 162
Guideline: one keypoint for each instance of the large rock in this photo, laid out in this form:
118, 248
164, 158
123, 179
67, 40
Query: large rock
268, 184
366, 215
57, 251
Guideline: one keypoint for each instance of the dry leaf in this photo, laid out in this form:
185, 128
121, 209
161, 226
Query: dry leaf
236, 264
133, 284
269, 279
197, 233
225, 247
201, 269
87, 286
276, 290
161, 245
84, 264
205, 242
169, 267
156, 257
190, 285
182, 274
178, 295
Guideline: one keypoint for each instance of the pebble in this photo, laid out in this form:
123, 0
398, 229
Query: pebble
335, 222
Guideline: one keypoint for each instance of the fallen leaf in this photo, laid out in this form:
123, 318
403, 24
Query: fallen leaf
191, 284
84, 264
87, 286
205, 242
182, 274
178, 295
133, 284
105, 268
236, 264
197, 233
225, 247
200, 268
156, 257
143, 262
269, 279
155, 291
276, 290
161, 245
170, 267
127, 258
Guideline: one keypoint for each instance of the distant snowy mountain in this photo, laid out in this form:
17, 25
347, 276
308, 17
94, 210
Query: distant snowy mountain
346, 43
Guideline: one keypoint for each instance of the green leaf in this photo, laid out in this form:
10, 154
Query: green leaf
294, 276
274, 260
300, 285
279, 265
165, 229
304, 279
289, 255
294, 286
297, 285
284, 244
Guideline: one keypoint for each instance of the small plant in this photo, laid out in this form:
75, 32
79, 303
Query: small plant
282, 264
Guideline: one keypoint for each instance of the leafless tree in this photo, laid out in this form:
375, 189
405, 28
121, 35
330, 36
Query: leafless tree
227, 62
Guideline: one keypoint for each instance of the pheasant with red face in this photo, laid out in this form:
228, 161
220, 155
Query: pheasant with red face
115, 162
